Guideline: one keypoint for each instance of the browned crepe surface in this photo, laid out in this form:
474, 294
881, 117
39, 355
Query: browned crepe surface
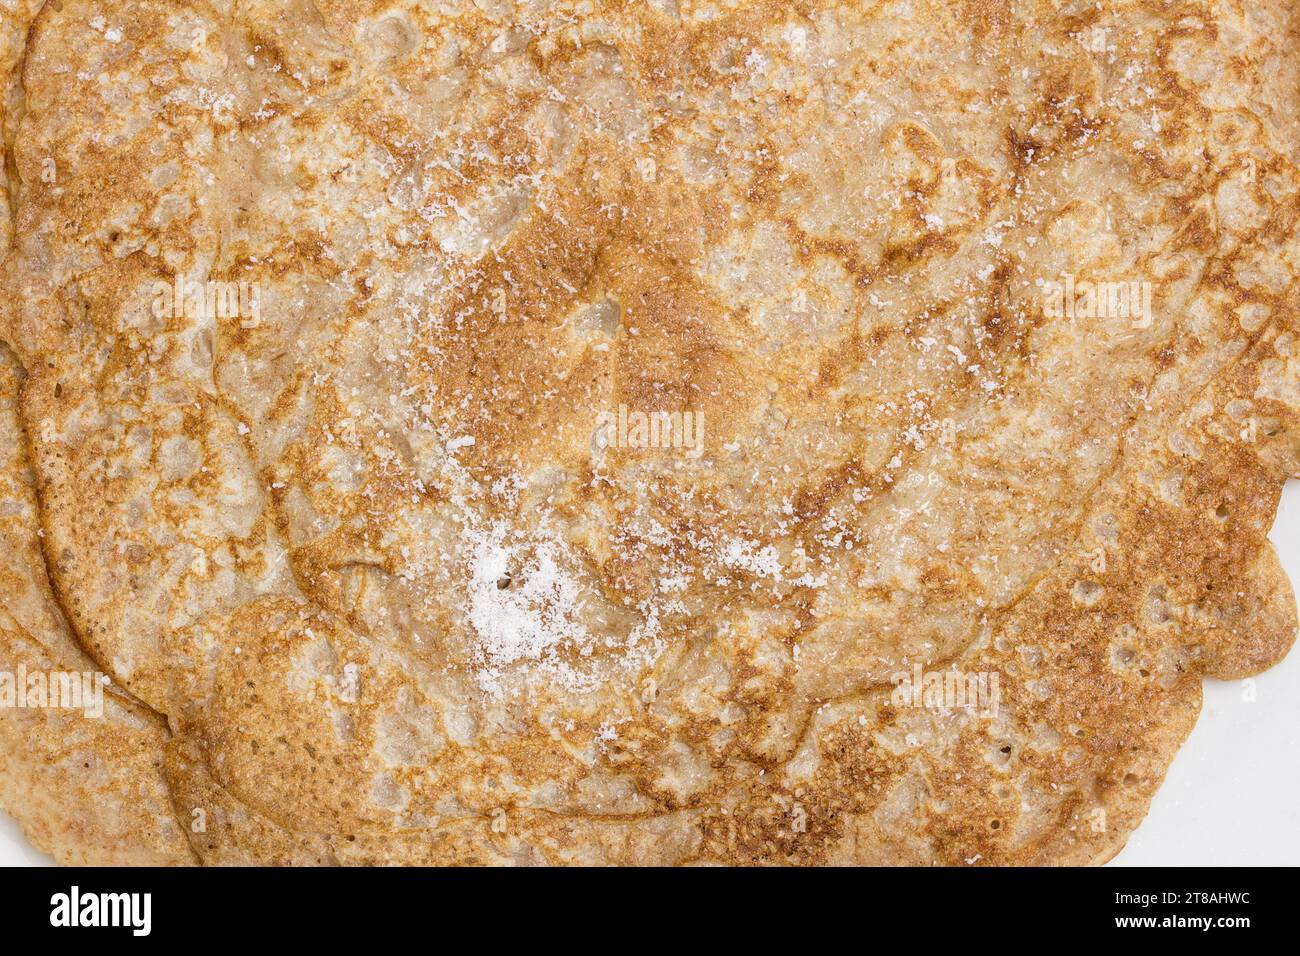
377, 582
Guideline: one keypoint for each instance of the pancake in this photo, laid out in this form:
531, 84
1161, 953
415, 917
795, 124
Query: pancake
620, 433
85, 783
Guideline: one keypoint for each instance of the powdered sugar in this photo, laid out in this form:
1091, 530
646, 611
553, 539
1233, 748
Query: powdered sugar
523, 604
526, 604
749, 556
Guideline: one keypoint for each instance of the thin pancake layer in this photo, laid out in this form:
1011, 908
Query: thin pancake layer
382, 528
84, 781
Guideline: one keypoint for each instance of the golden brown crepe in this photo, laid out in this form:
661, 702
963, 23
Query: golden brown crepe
341, 322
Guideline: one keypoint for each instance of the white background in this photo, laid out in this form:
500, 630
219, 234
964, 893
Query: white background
1230, 797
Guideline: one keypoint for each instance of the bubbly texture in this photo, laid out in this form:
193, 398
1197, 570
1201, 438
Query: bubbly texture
550, 432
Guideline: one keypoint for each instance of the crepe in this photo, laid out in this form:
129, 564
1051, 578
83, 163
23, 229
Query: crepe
85, 783
622, 433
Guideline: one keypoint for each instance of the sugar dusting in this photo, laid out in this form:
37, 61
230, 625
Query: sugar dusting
523, 605
526, 604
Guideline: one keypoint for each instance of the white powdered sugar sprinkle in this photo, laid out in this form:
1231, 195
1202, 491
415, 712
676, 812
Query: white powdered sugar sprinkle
523, 605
